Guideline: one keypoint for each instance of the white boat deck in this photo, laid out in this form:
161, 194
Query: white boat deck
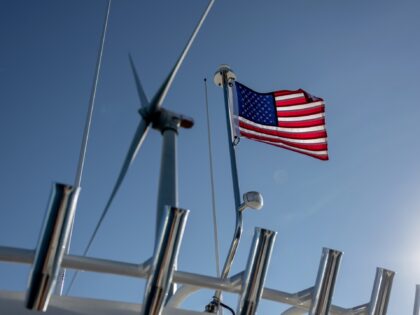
13, 303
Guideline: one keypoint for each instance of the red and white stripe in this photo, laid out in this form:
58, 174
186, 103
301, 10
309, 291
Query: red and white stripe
300, 128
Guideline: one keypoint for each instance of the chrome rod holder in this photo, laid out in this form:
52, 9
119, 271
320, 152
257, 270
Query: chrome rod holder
325, 281
165, 257
256, 271
381, 291
416, 310
51, 246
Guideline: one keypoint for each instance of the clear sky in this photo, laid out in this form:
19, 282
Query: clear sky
361, 56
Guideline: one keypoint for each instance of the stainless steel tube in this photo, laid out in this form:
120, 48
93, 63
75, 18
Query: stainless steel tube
164, 259
416, 310
226, 75
325, 281
256, 271
381, 291
51, 246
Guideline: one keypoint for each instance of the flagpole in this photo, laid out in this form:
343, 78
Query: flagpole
224, 77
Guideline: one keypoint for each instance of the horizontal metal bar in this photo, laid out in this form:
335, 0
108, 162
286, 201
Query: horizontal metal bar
301, 299
17, 255
25, 256
107, 266
82, 263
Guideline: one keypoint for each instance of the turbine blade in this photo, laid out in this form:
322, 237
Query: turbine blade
136, 143
140, 90
160, 95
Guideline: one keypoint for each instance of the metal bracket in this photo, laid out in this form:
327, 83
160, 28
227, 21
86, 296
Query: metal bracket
218, 76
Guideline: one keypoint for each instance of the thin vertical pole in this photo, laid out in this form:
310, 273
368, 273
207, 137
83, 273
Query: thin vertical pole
85, 140
86, 132
213, 198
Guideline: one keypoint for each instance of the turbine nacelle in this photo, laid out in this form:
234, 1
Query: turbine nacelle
163, 118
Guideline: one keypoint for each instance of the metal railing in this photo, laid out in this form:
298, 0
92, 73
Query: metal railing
300, 302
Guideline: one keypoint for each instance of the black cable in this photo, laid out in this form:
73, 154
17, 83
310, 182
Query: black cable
227, 307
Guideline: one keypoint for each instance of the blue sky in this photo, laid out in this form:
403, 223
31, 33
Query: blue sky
360, 56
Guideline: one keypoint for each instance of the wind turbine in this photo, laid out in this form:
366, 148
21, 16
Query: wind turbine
153, 115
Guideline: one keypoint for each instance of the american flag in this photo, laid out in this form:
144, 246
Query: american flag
293, 120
